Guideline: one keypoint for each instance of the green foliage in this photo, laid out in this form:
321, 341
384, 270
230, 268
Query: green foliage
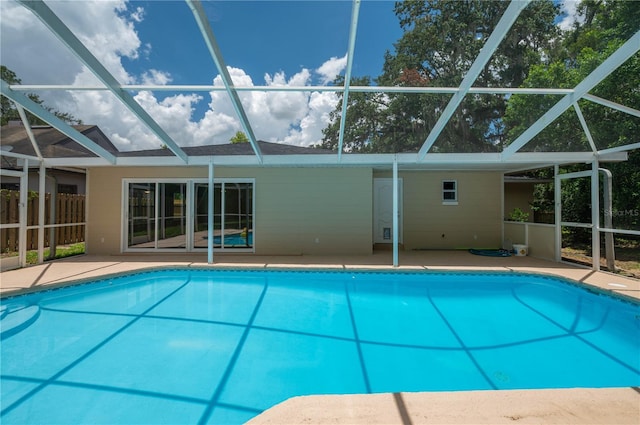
606, 26
518, 215
441, 40
10, 113
364, 120
239, 137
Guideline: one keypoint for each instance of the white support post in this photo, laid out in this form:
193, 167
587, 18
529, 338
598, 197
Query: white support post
607, 191
557, 200
395, 211
595, 214
210, 215
502, 242
42, 192
22, 230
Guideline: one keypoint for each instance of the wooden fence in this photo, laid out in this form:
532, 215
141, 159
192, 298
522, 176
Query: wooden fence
69, 209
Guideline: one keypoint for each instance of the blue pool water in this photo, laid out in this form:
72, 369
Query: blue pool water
236, 239
203, 347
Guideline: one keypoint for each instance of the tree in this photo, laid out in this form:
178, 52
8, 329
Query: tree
606, 25
441, 40
10, 112
365, 111
239, 137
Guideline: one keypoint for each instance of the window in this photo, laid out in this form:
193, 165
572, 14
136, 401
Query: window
450, 192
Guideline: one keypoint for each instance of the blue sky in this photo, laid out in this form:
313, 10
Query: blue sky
261, 37
298, 43
265, 36
157, 42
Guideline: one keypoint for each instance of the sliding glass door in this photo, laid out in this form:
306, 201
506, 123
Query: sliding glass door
232, 215
173, 215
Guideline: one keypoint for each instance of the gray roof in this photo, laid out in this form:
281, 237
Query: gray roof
232, 149
52, 143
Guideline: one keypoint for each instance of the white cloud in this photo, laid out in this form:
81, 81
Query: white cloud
570, 14
138, 14
332, 68
155, 77
31, 51
276, 116
107, 28
310, 133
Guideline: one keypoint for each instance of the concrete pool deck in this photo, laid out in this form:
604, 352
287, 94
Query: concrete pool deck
85, 267
570, 406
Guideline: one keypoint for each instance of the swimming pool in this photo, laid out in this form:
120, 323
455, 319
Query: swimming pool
203, 346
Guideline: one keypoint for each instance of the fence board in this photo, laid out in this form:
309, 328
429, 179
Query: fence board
69, 208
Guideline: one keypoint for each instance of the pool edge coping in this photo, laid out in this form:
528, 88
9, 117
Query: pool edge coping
9, 293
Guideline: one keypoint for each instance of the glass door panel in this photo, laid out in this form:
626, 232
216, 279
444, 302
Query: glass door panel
238, 211
141, 228
217, 215
232, 215
201, 223
172, 215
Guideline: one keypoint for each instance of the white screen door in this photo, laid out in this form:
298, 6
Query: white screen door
383, 210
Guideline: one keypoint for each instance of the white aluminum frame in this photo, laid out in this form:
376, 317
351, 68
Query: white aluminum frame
510, 160
571, 96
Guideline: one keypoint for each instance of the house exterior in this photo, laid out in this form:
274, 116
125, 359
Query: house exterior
324, 210
288, 209
294, 200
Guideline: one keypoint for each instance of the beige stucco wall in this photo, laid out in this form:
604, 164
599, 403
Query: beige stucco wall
474, 223
542, 241
514, 233
313, 210
324, 210
518, 195
539, 238
298, 211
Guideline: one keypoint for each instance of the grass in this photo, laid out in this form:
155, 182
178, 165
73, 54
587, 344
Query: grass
627, 256
61, 252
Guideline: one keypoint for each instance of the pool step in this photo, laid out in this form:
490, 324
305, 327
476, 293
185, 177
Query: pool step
16, 320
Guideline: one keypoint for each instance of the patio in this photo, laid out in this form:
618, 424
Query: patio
557, 406
86, 267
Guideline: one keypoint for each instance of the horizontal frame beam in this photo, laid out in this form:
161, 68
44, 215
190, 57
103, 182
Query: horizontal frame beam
337, 89
408, 160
